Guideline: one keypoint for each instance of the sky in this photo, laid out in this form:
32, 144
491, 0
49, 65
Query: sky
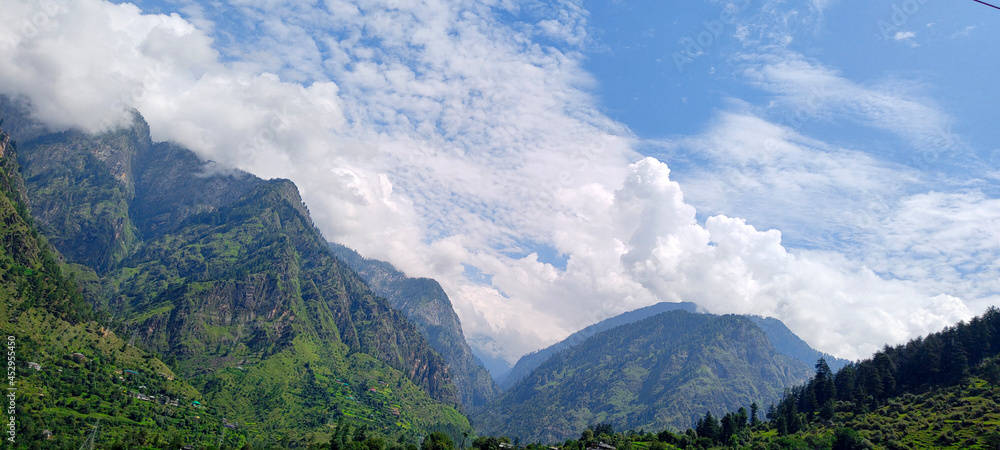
830, 163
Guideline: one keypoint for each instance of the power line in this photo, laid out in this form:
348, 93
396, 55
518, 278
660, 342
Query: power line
987, 4
89, 443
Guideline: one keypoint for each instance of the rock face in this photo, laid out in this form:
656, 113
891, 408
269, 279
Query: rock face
217, 268
427, 305
661, 371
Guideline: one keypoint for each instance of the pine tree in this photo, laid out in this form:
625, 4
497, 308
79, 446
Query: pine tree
709, 427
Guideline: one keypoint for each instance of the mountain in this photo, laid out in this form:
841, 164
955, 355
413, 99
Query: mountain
784, 341
425, 303
529, 362
226, 276
71, 373
788, 344
491, 353
661, 371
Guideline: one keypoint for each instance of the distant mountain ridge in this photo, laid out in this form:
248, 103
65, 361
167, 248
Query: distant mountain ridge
529, 362
665, 370
789, 344
784, 341
427, 305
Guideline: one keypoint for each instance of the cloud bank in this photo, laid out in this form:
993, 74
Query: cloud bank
458, 140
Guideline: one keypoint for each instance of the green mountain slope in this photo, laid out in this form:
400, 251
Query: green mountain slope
788, 344
661, 371
529, 362
69, 373
784, 341
425, 303
226, 276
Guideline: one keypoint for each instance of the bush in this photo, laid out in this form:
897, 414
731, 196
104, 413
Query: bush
848, 439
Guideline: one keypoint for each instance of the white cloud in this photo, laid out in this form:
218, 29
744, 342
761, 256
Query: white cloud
806, 90
729, 266
964, 32
904, 35
951, 240
436, 136
818, 193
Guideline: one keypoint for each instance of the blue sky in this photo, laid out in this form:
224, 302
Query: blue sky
831, 163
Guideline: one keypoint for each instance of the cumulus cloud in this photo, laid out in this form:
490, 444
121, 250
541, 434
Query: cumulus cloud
456, 145
727, 265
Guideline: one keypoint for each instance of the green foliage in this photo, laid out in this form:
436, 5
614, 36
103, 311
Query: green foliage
848, 439
943, 359
437, 441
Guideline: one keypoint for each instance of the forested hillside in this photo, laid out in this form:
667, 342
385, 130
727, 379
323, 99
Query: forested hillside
938, 361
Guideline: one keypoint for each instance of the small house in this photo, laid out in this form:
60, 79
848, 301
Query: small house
47, 434
34, 365
78, 355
